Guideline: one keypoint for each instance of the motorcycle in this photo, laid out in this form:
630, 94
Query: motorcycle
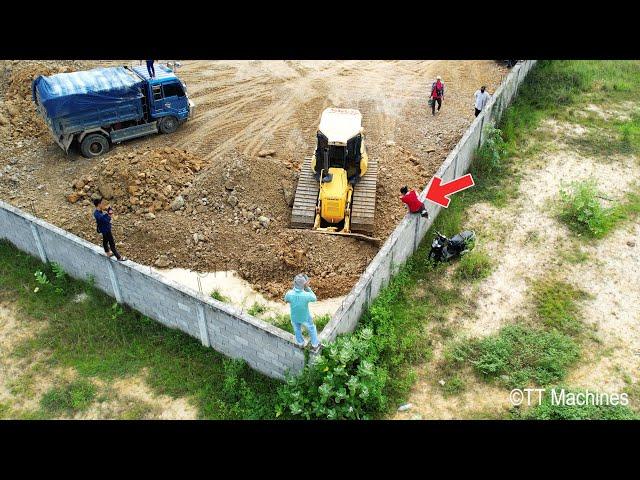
444, 249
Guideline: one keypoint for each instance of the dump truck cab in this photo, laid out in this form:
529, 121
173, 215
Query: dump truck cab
165, 95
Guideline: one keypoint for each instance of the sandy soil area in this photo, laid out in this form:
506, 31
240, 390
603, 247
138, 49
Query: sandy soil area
254, 123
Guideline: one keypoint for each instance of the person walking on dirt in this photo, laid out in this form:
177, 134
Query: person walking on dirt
412, 199
298, 299
482, 98
150, 69
103, 221
437, 94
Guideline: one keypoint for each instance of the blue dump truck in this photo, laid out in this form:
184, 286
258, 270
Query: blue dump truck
97, 108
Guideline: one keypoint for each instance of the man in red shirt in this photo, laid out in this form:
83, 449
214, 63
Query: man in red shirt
413, 202
437, 94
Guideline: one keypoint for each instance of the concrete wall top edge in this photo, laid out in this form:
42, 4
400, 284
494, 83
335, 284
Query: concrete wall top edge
149, 272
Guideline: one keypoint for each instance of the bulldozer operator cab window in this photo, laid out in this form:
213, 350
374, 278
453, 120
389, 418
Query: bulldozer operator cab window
339, 156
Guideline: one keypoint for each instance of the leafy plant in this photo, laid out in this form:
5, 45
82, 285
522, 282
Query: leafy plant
216, 295
58, 271
489, 156
116, 311
582, 211
41, 277
343, 383
257, 309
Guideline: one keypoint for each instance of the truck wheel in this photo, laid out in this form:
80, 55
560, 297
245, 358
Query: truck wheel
94, 145
168, 124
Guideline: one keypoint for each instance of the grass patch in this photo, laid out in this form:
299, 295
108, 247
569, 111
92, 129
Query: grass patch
216, 295
453, 386
582, 211
474, 266
257, 309
99, 341
550, 410
574, 256
557, 305
69, 399
516, 356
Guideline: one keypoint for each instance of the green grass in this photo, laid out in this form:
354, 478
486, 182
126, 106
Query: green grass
554, 87
474, 266
581, 209
216, 295
99, 341
517, 356
257, 309
550, 410
69, 399
557, 305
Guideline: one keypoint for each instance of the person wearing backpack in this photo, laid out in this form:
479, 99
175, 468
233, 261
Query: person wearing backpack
437, 94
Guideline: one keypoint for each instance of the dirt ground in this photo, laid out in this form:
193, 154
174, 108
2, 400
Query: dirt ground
216, 194
611, 275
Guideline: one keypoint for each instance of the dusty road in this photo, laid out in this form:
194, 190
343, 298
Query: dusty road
242, 108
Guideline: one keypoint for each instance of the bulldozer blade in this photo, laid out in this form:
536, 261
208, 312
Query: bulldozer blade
358, 236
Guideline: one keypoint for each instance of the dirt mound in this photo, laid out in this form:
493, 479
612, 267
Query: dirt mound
141, 181
18, 118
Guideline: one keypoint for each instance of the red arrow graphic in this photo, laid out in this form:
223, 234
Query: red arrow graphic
439, 193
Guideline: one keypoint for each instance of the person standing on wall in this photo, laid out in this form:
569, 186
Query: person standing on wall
298, 299
150, 68
482, 98
103, 221
437, 94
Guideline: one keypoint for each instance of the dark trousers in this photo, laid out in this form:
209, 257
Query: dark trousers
109, 244
478, 112
150, 69
433, 105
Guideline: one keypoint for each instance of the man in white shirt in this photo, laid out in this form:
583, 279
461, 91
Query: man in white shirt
482, 98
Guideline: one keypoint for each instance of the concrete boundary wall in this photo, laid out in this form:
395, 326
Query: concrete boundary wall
218, 325
406, 238
266, 348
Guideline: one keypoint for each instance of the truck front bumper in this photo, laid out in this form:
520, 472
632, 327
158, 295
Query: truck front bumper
191, 108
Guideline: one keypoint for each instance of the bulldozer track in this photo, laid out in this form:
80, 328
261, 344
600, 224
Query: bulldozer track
363, 205
304, 204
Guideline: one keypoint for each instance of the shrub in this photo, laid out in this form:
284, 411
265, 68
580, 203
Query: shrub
581, 210
518, 356
489, 156
474, 266
343, 383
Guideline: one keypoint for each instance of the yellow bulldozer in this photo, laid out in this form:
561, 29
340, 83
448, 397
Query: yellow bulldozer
336, 192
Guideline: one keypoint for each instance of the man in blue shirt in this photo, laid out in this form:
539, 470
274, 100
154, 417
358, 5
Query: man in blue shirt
103, 221
298, 299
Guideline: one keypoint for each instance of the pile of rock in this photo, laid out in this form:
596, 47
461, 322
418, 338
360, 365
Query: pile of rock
142, 181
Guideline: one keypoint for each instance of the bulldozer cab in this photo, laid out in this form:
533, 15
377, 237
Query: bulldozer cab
339, 142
